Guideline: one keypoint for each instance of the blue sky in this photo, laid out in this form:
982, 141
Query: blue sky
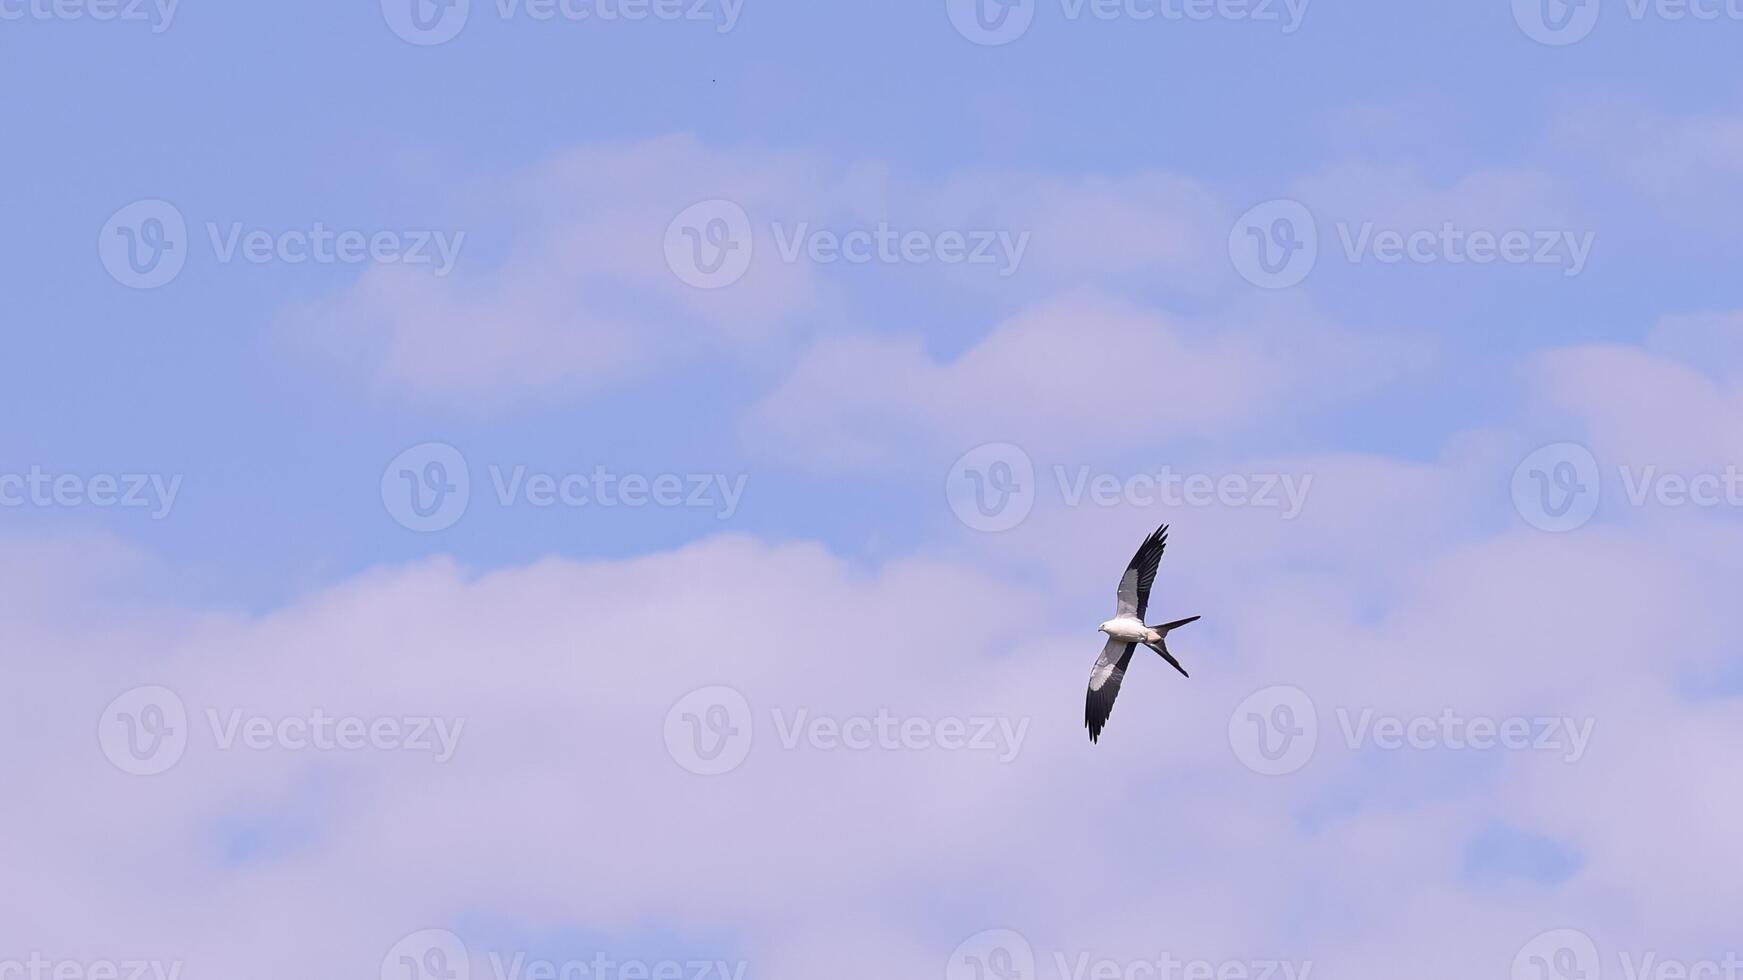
1429, 410
237, 114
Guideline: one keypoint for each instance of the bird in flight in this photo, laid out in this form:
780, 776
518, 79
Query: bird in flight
1126, 630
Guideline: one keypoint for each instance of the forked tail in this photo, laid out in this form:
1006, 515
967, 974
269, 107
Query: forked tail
1161, 646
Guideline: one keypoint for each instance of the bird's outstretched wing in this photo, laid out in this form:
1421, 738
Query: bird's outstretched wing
1104, 685
1134, 598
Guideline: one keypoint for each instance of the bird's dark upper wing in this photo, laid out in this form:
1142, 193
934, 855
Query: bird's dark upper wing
1104, 685
1134, 597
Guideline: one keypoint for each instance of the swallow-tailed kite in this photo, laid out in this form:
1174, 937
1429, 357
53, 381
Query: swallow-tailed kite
1126, 630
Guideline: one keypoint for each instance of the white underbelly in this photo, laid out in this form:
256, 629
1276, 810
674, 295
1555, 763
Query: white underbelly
1130, 630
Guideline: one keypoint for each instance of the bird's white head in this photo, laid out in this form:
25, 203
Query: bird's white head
1103, 628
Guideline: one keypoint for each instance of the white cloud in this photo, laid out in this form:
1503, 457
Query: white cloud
1684, 167
1404, 198
583, 298
1076, 377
